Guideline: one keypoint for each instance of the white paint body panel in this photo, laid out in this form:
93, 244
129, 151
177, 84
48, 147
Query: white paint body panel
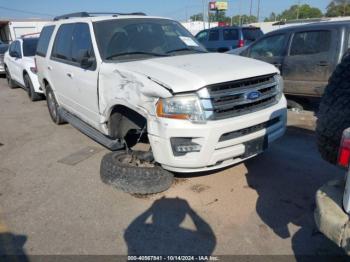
17, 66
138, 85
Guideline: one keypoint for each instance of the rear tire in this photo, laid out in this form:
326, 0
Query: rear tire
53, 107
30, 89
10, 82
118, 171
334, 112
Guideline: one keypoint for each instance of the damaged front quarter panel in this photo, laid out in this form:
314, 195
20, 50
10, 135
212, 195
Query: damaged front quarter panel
120, 86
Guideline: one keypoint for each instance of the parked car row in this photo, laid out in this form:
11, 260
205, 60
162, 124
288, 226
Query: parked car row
20, 66
116, 75
306, 55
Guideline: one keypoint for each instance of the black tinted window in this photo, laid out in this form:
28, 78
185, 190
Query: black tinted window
17, 48
44, 40
252, 34
29, 46
130, 39
214, 35
63, 42
310, 43
230, 34
269, 47
81, 40
202, 36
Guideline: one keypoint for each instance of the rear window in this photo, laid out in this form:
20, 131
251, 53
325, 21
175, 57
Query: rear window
214, 35
44, 40
252, 34
230, 34
29, 46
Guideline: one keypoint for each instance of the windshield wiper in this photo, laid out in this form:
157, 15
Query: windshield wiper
186, 49
136, 53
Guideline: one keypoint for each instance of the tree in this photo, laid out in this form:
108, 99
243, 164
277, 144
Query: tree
244, 19
197, 17
300, 12
338, 8
271, 18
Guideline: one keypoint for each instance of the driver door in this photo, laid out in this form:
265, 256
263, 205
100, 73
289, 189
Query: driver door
14, 62
270, 49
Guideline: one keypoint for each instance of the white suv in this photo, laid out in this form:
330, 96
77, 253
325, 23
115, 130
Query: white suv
20, 66
116, 75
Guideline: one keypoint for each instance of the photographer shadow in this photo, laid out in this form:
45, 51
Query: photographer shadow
158, 231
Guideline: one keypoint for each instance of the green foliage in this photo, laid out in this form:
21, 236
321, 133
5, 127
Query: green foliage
338, 8
296, 12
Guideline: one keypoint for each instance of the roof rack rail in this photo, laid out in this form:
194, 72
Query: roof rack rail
88, 14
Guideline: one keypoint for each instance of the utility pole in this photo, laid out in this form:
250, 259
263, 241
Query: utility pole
258, 16
251, 8
298, 10
203, 3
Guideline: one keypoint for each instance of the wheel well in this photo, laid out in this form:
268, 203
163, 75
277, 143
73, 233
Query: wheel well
123, 120
25, 73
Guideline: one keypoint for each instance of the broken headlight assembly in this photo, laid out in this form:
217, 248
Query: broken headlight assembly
280, 86
186, 107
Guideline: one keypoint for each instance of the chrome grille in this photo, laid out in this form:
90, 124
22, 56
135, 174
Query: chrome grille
230, 99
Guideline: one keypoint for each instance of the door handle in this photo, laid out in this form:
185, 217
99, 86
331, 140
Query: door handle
277, 64
49, 68
70, 75
322, 63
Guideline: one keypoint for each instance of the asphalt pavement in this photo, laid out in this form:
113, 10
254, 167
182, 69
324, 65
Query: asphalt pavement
52, 200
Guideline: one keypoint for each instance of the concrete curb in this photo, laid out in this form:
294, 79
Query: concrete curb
330, 217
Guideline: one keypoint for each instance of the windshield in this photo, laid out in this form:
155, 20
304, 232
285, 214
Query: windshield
140, 38
29, 46
252, 34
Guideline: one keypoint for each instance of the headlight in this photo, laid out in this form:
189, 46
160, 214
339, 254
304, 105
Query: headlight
181, 107
280, 86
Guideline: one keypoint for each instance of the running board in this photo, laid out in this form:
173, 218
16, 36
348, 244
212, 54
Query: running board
91, 132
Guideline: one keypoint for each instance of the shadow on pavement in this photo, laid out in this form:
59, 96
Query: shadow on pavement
158, 231
287, 201
11, 247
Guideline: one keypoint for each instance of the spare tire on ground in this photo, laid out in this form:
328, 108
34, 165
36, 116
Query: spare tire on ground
126, 172
334, 112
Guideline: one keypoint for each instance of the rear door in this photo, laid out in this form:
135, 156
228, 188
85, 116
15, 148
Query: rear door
213, 40
308, 65
231, 38
270, 49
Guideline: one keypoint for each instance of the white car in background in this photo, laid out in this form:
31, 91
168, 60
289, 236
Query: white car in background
20, 66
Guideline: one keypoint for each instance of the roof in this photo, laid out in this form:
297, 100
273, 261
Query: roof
234, 27
312, 25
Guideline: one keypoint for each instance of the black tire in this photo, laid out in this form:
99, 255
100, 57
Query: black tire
53, 107
133, 179
34, 96
334, 112
9, 79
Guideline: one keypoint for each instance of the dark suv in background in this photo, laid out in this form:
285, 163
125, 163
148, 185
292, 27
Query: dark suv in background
306, 55
223, 39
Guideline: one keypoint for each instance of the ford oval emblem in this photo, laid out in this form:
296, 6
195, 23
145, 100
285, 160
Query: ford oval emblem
253, 95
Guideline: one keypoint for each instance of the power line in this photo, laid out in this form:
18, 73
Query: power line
25, 12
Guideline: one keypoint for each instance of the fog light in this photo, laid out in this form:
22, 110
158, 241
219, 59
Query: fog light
183, 145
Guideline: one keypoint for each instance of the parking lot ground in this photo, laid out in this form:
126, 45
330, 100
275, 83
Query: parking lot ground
52, 197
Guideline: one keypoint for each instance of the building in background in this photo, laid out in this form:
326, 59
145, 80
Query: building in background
11, 29
196, 26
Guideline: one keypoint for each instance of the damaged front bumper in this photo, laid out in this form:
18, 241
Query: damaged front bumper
216, 144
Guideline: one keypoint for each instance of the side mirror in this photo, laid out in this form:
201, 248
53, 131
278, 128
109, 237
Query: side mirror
85, 59
15, 54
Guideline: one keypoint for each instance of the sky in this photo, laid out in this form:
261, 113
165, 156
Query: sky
177, 9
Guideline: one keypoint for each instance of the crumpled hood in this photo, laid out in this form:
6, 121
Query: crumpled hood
191, 72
